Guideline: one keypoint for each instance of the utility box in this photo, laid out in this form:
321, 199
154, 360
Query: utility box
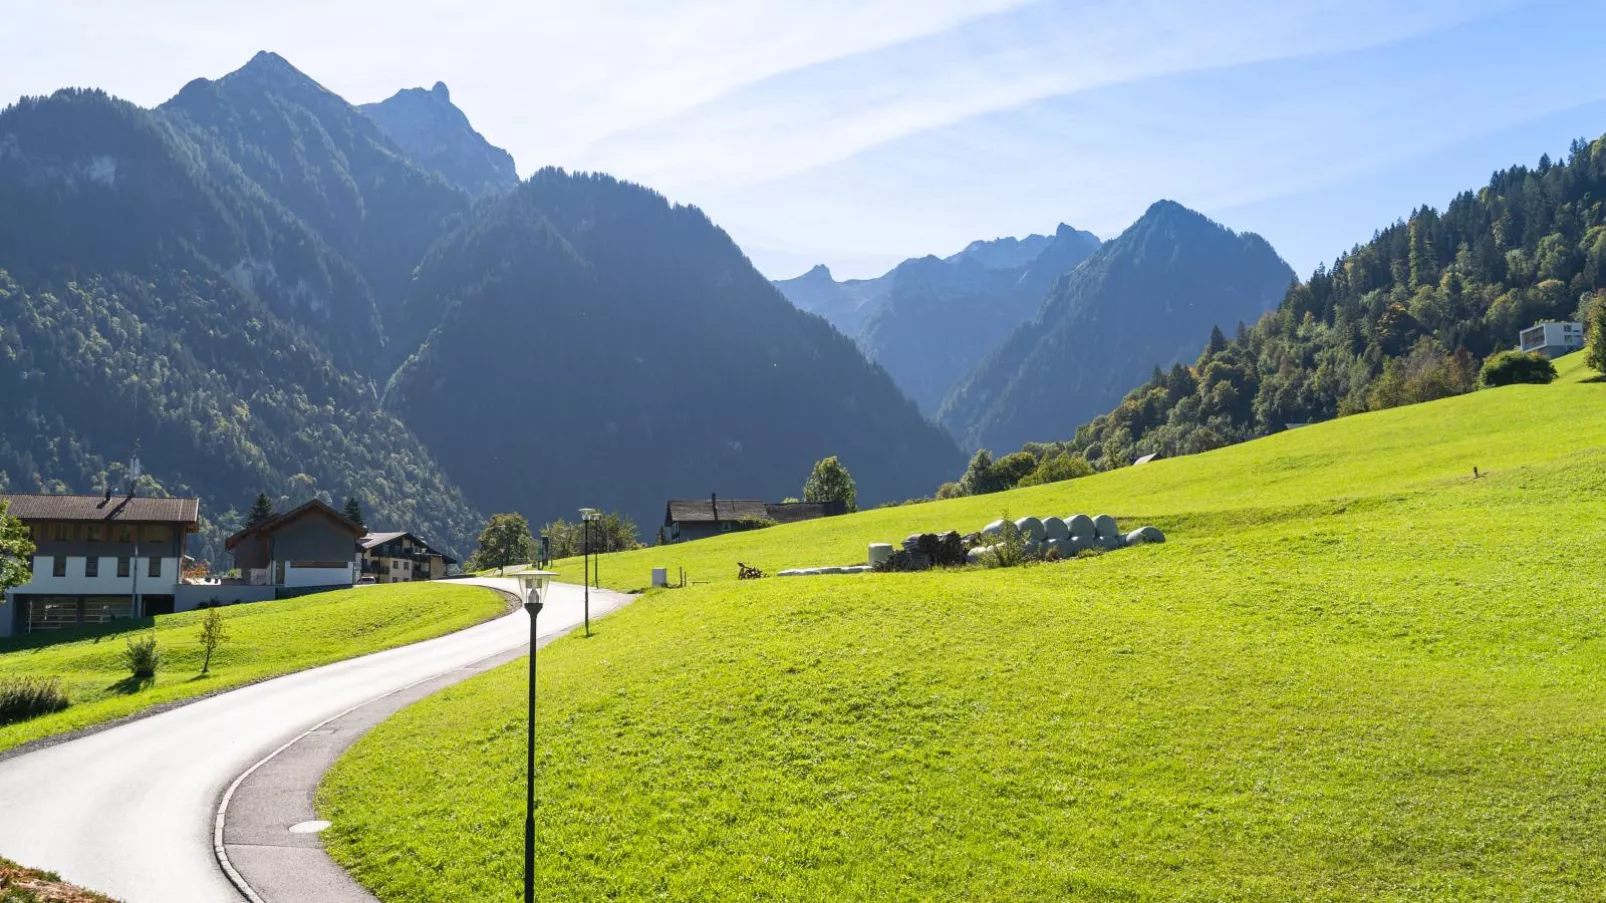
660, 576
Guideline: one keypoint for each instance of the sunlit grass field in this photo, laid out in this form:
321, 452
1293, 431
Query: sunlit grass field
266, 639
1354, 672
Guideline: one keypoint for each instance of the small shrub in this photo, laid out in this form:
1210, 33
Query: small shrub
1511, 367
142, 658
1009, 549
22, 698
214, 633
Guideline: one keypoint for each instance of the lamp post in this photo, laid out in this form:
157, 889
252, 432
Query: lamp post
534, 584
587, 515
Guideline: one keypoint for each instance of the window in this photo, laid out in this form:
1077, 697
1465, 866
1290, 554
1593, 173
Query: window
92, 566
63, 532
155, 569
58, 566
97, 533
125, 533
122, 566
156, 533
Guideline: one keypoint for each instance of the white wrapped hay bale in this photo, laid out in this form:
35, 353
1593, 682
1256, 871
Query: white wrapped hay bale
978, 554
1080, 525
1031, 528
858, 569
1104, 527
996, 528
795, 572
1143, 535
880, 552
1078, 543
1057, 548
1054, 528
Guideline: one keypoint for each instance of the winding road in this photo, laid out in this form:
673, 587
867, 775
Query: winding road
129, 811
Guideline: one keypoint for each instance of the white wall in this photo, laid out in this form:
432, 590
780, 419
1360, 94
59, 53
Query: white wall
342, 576
107, 584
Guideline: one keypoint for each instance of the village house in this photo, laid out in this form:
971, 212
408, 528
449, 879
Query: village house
689, 519
99, 557
1552, 340
309, 547
401, 558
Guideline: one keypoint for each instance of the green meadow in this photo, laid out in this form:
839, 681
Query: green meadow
1354, 672
267, 639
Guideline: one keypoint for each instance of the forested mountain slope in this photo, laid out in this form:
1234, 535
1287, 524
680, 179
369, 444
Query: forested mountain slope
1150, 296
1396, 320
329, 164
157, 298
602, 347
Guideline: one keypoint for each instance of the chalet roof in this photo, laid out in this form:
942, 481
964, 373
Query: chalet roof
792, 512
713, 510
275, 524
99, 509
374, 539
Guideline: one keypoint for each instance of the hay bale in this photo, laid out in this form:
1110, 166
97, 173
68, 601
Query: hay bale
795, 572
1054, 528
1109, 543
1080, 525
1057, 548
858, 569
1143, 535
996, 528
1078, 543
949, 551
1104, 527
879, 552
1031, 528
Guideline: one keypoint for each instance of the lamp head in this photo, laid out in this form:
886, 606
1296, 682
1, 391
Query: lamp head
590, 514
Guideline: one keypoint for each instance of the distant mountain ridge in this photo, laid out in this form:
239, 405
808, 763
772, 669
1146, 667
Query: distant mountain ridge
434, 132
1149, 297
929, 320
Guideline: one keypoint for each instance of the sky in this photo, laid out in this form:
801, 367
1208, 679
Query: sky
856, 133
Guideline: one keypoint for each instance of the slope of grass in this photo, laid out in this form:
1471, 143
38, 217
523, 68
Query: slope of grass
1398, 450
267, 639
1354, 674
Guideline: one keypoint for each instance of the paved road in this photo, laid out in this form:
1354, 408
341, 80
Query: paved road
129, 811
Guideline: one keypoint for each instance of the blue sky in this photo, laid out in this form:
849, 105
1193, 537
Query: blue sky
859, 133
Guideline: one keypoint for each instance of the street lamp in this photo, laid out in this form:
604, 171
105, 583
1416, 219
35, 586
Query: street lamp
587, 516
533, 583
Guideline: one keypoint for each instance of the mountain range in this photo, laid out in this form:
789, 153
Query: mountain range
929, 320
259, 286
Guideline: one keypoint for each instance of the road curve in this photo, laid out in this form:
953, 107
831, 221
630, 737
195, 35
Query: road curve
129, 811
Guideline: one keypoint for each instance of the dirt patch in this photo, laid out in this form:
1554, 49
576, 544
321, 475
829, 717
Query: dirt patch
25, 885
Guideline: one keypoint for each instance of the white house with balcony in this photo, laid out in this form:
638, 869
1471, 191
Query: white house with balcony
98, 557
1552, 339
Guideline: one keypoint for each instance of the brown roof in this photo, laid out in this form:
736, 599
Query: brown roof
279, 522
792, 512
97, 508
711, 511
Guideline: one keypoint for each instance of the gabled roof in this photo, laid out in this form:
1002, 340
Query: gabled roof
378, 539
374, 539
792, 512
99, 509
275, 524
712, 511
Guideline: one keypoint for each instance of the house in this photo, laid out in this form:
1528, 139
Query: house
312, 546
1552, 340
98, 557
400, 558
688, 519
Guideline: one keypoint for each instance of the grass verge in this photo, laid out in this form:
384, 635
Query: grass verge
267, 639
25, 885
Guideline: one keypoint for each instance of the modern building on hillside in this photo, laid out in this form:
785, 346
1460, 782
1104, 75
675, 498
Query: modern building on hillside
688, 519
312, 546
1552, 339
98, 557
401, 558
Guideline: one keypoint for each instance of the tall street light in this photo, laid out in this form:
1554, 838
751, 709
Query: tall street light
587, 516
534, 584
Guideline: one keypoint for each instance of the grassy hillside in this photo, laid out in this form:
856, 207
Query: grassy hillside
267, 639
1354, 672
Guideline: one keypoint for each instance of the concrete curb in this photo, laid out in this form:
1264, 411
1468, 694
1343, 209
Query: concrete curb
313, 875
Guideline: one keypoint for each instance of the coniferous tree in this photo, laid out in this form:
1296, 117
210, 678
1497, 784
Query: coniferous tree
353, 512
262, 510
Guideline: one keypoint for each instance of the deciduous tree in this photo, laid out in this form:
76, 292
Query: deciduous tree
831, 482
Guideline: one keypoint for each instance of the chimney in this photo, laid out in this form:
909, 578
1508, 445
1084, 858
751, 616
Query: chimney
713, 499
108, 490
